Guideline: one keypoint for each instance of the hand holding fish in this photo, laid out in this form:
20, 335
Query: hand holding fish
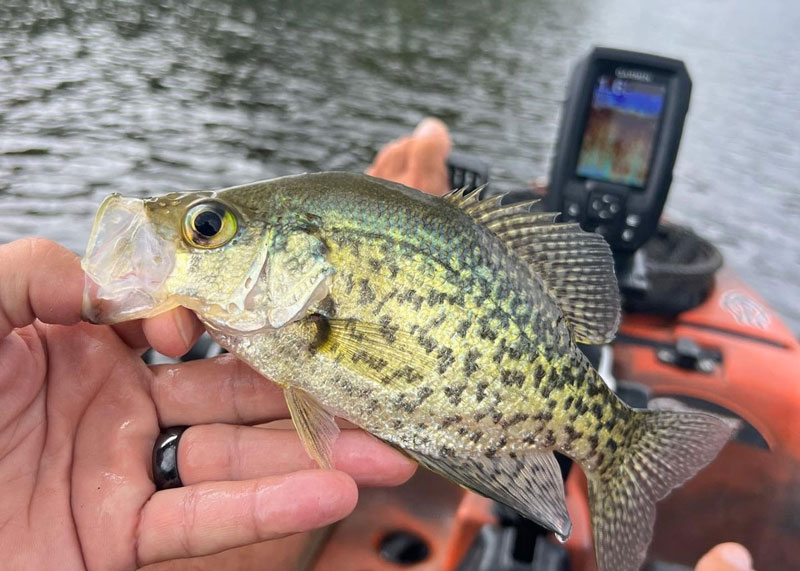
80, 413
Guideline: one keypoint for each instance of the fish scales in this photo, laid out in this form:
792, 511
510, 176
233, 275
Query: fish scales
418, 258
477, 283
445, 327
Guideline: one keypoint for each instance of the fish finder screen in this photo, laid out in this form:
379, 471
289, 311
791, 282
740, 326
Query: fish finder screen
619, 136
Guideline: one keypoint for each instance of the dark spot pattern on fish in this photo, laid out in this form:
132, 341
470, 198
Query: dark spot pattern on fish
539, 375
571, 433
447, 452
388, 331
515, 419
471, 366
480, 390
374, 362
407, 373
485, 332
365, 294
427, 343
454, 393
448, 420
500, 351
446, 358
512, 378
435, 298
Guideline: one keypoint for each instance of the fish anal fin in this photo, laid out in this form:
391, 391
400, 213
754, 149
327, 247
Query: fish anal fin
530, 484
576, 267
315, 425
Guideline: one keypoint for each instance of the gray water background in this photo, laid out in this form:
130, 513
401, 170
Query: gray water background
145, 98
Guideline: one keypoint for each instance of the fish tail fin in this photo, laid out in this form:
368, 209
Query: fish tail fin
666, 449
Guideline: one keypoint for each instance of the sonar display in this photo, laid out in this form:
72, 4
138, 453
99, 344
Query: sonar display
619, 135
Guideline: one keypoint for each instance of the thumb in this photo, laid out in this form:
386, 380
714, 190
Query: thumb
430, 146
417, 160
38, 280
726, 557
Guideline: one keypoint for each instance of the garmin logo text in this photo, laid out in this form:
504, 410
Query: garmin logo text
636, 74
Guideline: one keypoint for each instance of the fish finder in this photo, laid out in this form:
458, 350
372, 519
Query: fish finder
619, 135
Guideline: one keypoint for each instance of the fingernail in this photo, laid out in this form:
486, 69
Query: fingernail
737, 556
183, 326
428, 126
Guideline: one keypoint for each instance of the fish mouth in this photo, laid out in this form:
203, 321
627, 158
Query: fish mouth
126, 264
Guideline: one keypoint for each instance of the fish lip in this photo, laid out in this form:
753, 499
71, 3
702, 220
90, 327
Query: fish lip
126, 264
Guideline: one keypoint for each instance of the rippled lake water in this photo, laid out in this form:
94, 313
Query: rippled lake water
144, 98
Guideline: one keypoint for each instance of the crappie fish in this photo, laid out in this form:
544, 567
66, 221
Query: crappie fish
446, 327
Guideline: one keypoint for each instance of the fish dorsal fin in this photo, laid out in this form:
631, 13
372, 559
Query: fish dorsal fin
530, 483
575, 266
462, 197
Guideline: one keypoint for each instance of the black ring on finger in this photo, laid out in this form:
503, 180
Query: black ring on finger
165, 458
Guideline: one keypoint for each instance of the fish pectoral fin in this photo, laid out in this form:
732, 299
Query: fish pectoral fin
530, 484
315, 425
380, 352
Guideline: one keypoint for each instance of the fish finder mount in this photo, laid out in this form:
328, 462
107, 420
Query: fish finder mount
619, 135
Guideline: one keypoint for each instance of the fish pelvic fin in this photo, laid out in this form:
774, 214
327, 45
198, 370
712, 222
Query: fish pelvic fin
315, 425
667, 449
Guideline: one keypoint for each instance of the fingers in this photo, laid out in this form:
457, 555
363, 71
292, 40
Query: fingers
222, 389
419, 160
209, 518
391, 161
38, 280
221, 452
427, 168
726, 557
173, 333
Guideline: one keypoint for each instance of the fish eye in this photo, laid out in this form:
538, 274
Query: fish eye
209, 225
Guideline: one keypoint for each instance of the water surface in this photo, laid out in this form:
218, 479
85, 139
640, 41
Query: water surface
144, 98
